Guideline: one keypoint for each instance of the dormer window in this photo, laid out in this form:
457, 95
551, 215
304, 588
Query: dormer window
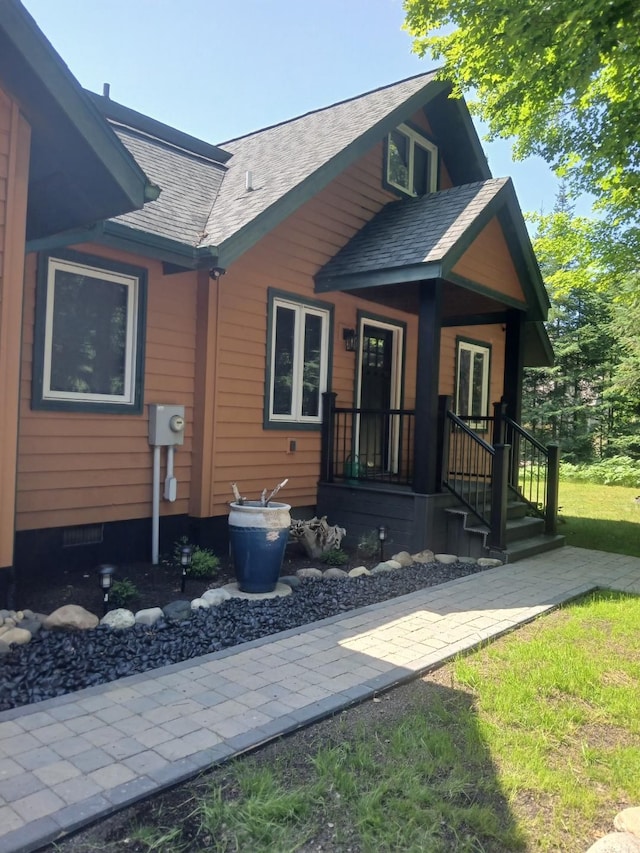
412, 162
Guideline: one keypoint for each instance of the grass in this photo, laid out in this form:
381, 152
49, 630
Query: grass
602, 517
531, 743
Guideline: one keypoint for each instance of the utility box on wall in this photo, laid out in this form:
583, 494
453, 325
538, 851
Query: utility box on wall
166, 424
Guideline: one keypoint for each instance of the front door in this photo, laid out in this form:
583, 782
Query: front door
379, 364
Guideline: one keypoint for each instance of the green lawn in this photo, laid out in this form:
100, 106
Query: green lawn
602, 517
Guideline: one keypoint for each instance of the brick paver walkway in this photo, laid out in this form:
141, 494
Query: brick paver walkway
67, 761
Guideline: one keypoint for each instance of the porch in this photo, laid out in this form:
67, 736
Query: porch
495, 491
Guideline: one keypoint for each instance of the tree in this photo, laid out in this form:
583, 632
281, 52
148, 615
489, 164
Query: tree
589, 400
562, 77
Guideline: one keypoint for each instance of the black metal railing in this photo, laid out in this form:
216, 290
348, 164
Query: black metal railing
367, 445
476, 473
534, 472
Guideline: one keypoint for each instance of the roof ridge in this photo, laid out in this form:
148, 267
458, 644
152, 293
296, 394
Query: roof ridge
260, 130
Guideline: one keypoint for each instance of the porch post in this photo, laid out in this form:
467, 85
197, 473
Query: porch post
425, 454
514, 363
553, 480
326, 436
513, 368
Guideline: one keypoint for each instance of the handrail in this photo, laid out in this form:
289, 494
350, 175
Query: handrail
525, 434
476, 473
534, 474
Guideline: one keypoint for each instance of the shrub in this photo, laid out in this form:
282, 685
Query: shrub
123, 592
369, 545
336, 557
204, 563
616, 471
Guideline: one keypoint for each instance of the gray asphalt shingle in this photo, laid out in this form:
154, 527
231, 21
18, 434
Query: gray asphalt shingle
204, 203
190, 184
283, 156
414, 231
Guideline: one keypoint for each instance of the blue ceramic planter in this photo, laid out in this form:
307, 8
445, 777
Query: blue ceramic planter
258, 536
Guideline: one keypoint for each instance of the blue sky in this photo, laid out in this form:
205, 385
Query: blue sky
218, 68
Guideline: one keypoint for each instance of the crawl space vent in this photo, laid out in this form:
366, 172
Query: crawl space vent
86, 534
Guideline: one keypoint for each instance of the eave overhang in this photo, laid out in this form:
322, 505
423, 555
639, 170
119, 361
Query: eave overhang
79, 170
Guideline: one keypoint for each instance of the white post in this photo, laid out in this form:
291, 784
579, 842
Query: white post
155, 513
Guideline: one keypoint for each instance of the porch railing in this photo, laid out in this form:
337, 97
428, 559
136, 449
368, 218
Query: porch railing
367, 445
483, 459
476, 473
534, 471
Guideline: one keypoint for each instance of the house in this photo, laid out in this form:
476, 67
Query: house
61, 166
337, 299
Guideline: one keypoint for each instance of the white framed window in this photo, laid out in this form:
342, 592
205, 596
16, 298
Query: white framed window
411, 162
89, 334
472, 379
298, 361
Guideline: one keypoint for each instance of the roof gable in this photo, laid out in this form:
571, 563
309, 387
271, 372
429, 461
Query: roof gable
426, 237
79, 170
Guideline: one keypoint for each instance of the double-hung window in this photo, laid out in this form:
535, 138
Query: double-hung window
411, 162
89, 334
297, 360
472, 379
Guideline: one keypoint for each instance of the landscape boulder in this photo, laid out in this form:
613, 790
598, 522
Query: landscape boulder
215, 597
16, 635
423, 557
404, 558
119, 619
335, 572
70, 617
177, 611
200, 604
148, 615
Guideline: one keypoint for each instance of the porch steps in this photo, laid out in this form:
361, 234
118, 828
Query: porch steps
524, 534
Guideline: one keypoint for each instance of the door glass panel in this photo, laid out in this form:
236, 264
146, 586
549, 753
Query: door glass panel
283, 361
311, 368
478, 384
464, 370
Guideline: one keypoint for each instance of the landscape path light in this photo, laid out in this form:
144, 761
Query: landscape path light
186, 553
382, 535
105, 577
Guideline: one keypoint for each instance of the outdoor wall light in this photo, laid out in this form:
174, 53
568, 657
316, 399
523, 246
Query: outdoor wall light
105, 578
350, 340
382, 535
186, 553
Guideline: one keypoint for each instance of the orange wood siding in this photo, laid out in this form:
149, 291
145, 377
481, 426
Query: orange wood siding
80, 468
14, 175
239, 448
488, 261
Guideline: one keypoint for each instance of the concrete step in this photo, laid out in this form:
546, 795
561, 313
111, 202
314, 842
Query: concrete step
524, 534
530, 547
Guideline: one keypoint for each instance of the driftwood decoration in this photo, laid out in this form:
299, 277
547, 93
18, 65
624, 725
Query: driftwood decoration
264, 500
316, 536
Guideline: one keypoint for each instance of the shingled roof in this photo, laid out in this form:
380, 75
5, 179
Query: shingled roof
190, 184
284, 157
420, 238
205, 203
414, 232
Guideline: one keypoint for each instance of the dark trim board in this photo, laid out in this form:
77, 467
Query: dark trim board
40, 554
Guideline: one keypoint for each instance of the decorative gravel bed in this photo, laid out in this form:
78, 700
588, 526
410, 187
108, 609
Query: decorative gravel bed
55, 662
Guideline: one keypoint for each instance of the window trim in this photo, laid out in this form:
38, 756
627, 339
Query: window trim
474, 346
416, 137
135, 278
282, 298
